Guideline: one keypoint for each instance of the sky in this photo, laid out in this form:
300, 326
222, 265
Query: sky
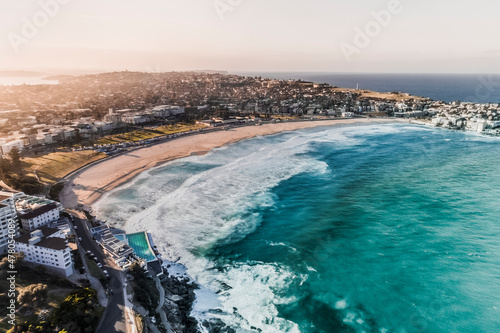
379, 36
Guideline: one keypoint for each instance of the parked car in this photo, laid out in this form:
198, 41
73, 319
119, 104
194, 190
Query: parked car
80, 239
99, 265
75, 227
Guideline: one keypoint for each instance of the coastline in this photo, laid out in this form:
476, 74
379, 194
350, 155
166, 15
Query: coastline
87, 186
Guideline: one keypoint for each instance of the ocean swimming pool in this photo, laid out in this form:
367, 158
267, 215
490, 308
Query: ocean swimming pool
139, 242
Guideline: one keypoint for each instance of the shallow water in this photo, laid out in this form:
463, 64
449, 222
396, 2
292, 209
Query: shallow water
371, 228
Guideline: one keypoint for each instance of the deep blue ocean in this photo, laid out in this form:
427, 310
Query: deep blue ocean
478, 88
354, 228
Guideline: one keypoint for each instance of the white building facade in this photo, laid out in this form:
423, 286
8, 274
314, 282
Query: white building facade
7, 214
34, 218
163, 111
47, 247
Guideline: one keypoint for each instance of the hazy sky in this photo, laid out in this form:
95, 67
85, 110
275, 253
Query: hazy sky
252, 35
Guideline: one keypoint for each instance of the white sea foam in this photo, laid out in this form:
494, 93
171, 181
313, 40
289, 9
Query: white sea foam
417, 128
341, 305
291, 248
249, 294
188, 212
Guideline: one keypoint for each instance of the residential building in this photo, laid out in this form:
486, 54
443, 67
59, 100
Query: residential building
112, 246
135, 119
163, 111
47, 247
35, 212
113, 117
7, 213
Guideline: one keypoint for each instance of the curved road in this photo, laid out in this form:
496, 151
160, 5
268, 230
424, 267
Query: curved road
113, 319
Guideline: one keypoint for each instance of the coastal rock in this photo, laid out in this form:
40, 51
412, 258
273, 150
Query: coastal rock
179, 298
216, 325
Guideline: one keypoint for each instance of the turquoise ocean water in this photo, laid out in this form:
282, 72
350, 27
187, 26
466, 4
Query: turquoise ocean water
356, 228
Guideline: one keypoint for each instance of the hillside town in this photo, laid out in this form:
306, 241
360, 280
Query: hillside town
82, 109
480, 118
81, 113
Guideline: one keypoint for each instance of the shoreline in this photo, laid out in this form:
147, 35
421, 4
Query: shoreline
87, 186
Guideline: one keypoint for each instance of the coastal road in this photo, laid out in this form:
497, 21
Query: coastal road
113, 319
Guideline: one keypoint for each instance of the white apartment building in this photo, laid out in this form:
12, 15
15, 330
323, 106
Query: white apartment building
6, 147
35, 212
48, 247
7, 213
135, 119
163, 111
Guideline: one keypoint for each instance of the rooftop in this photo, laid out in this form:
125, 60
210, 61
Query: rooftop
47, 240
38, 211
116, 248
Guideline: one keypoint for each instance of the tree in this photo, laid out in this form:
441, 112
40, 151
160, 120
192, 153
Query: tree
15, 158
5, 168
33, 295
77, 313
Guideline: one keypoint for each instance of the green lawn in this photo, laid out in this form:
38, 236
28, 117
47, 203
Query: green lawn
53, 166
95, 271
146, 134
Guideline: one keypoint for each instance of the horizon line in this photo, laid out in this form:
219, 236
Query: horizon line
234, 72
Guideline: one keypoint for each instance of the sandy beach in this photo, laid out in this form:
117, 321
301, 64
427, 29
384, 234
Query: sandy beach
88, 185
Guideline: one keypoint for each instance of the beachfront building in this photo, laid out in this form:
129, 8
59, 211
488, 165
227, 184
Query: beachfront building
35, 212
112, 246
164, 111
47, 247
7, 213
113, 117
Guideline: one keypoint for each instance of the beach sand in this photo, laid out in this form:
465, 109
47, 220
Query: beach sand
88, 185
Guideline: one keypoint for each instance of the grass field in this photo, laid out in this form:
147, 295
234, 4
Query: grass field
181, 127
379, 95
286, 117
51, 167
146, 134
